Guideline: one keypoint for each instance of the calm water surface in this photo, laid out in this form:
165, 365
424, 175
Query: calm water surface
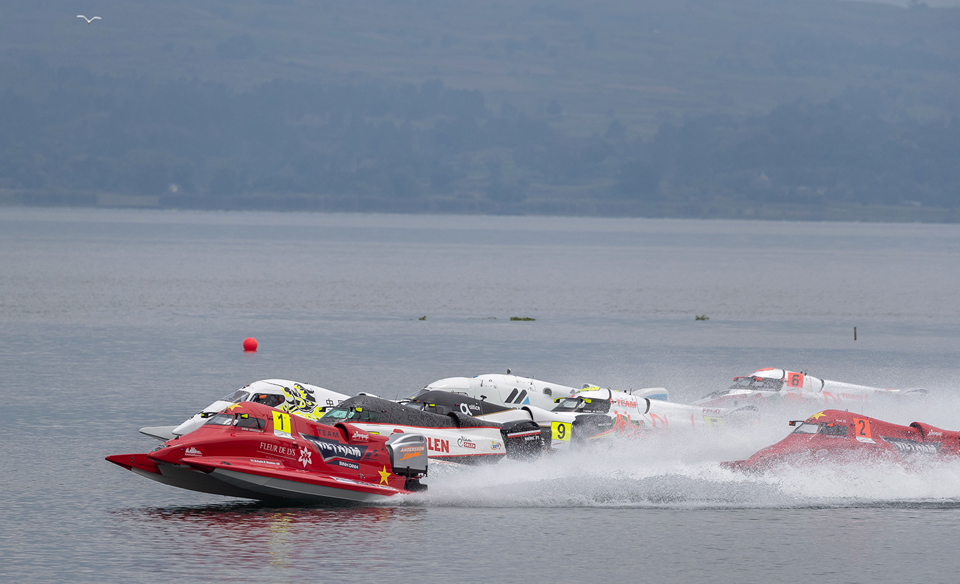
115, 320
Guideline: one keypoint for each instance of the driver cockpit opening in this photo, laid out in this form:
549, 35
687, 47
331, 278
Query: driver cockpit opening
268, 399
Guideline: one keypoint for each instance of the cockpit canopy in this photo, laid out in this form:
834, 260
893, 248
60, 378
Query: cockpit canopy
578, 404
824, 428
755, 382
238, 420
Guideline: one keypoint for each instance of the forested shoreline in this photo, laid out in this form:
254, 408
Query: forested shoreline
86, 139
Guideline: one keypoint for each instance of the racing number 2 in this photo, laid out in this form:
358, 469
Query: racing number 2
861, 427
560, 431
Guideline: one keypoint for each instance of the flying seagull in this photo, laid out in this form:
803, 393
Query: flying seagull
89, 20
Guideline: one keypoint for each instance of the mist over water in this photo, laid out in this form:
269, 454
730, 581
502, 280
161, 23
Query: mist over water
117, 320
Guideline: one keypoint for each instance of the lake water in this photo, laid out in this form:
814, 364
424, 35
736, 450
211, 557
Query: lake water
114, 320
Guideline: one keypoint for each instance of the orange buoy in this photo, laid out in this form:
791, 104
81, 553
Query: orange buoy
250, 344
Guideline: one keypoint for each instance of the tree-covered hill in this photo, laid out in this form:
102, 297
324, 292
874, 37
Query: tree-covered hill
811, 108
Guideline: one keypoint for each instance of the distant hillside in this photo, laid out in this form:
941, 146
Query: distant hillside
801, 109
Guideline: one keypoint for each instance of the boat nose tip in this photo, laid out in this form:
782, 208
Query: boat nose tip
170, 454
124, 460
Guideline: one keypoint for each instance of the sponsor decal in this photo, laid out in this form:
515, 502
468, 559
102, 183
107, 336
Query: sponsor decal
278, 449
259, 461
411, 455
654, 418
345, 464
438, 445
495, 445
305, 456
326, 432
359, 436
839, 396
192, 452
464, 443
330, 450
911, 447
412, 449
626, 403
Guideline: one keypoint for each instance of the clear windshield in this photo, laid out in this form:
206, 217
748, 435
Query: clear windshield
221, 420
830, 429
336, 414
239, 420
567, 404
236, 397
349, 415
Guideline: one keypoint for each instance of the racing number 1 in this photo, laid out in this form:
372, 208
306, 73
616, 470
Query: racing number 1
560, 431
281, 423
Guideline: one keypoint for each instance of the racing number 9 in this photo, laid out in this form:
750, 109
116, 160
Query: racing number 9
560, 431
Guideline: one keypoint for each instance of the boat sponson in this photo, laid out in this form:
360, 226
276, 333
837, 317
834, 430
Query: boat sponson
279, 483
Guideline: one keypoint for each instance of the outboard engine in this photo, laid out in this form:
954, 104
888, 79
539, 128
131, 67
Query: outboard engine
408, 457
523, 439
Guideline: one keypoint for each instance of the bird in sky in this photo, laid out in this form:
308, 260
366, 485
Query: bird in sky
89, 20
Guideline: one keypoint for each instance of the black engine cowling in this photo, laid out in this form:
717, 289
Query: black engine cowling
523, 439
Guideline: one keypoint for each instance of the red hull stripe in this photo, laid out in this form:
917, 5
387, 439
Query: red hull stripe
530, 433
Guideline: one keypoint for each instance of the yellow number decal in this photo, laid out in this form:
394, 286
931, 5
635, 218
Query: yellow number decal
712, 421
281, 423
560, 431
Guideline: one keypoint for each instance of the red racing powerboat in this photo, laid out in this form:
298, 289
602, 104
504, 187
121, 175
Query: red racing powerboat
254, 451
845, 436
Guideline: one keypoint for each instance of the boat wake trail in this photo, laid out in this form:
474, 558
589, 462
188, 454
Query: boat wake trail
685, 473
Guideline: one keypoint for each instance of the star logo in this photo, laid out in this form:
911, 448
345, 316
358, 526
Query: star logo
231, 408
384, 475
305, 456
816, 416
